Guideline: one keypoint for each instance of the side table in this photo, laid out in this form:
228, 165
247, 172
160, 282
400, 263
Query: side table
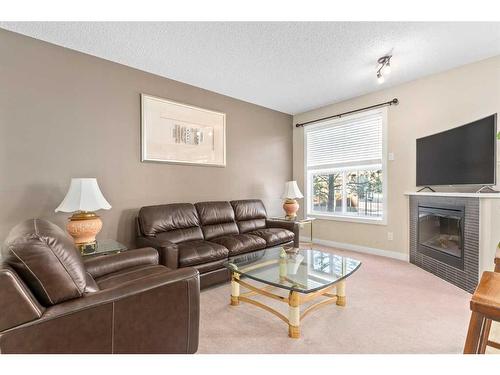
104, 247
300, 222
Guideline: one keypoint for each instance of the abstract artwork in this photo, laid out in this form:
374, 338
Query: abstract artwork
178, 133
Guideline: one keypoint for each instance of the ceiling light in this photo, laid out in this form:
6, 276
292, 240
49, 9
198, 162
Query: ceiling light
387, 68
384, 67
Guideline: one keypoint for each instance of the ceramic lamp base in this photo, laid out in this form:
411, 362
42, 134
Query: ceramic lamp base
291, 207
83, 227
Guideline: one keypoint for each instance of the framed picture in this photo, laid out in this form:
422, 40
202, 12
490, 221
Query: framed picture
178, 133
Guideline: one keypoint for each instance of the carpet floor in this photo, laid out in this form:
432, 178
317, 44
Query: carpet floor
392, 307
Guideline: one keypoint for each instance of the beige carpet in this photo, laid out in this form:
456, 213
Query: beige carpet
392, 307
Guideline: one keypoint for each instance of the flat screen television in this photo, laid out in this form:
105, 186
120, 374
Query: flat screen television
461, 156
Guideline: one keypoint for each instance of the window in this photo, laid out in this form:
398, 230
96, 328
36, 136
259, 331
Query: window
346, 169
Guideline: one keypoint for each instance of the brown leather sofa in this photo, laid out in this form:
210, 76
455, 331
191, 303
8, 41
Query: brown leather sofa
52, 301
204, 235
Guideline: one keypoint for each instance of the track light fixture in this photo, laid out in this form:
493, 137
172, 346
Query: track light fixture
384, 67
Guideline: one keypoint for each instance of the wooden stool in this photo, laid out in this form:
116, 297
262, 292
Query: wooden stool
487, 323
485, 307
497, 259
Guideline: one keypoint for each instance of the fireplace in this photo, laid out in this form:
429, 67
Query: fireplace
440, 233
444, 237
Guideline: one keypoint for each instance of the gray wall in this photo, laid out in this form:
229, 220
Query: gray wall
66, 114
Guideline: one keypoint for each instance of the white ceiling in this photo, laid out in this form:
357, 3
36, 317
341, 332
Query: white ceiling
287, 66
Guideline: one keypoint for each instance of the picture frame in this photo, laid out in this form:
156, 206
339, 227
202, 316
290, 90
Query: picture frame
178, 133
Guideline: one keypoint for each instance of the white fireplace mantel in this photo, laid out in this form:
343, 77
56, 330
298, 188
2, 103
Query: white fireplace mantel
453, 194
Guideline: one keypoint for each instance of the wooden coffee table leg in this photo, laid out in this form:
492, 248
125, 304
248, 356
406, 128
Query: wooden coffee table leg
294, 315
235, 289
341, 293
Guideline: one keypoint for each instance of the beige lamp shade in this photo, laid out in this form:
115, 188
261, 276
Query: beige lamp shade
83, 195
292, 191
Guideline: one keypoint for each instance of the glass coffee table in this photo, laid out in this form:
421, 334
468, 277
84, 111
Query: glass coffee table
306, 275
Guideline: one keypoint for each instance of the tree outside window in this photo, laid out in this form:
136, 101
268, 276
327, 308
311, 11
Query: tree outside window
350, 192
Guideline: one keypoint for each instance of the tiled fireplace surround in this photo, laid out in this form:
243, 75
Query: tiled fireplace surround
467, 278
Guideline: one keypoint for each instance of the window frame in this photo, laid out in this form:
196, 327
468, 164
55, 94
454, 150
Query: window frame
308, 186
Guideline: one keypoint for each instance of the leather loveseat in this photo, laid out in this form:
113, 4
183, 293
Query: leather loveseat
53, 301
205, 234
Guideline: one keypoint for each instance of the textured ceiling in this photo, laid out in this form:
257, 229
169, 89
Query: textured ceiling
287, 66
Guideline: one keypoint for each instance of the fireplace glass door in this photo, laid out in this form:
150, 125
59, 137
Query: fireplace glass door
440, 234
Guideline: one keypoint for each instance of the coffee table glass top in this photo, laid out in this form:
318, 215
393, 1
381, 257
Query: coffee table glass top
303, 270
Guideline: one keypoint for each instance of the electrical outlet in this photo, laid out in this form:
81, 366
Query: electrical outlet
390, 236
391, 156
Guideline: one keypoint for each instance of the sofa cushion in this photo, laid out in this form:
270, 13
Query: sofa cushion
274, 236
217, 219
250, 214
46, 259
181, 235
126, 275
196, 252
212, 266
167, 217
241, 243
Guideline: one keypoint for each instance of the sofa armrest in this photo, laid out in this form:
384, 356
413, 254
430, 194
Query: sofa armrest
17, 304
155, 314
99, 265
290, 225
168, 251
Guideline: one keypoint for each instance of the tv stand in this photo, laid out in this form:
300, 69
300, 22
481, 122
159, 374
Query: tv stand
487, 189
426, 187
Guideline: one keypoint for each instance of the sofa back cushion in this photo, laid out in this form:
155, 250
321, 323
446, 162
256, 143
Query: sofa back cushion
46, 259
250, 214
176, 222
217, 219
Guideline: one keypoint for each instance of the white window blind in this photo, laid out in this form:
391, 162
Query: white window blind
352, 140
345, 164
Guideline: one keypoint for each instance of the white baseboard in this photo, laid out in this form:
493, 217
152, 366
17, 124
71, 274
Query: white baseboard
359, 248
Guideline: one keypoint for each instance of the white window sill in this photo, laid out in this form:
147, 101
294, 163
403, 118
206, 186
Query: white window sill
353, 219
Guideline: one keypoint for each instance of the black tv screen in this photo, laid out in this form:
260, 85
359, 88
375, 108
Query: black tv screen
461, 156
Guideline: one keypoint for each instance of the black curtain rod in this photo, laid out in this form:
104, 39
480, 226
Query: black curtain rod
394, 101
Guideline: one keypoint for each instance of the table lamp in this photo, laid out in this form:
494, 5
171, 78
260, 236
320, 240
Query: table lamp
291, 193
83, 198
